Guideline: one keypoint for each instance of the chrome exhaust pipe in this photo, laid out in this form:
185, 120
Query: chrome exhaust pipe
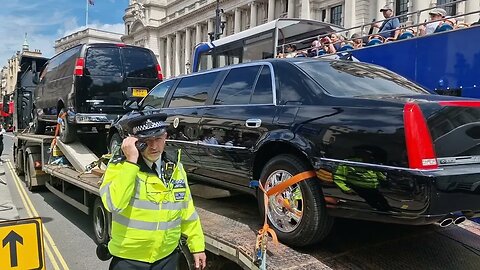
459, 220
446, 222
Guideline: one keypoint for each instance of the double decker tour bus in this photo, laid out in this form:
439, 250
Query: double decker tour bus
446, 62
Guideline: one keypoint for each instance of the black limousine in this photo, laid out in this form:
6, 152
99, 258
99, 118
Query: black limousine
383, 148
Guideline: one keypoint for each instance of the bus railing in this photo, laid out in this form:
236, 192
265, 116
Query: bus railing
346, 37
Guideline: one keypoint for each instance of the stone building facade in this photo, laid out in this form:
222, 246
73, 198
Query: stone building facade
171, 28
88, 35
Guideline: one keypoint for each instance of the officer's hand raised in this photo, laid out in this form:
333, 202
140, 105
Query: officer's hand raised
200, 260
129, 149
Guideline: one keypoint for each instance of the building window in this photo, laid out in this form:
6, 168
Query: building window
401, 8
336, 15
451, 9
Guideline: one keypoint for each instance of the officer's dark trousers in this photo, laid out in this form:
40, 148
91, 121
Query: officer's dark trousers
168, 263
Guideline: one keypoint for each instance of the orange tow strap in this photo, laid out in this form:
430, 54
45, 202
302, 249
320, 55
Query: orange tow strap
261, 244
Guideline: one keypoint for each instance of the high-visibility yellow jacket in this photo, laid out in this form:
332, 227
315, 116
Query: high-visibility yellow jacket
148, 216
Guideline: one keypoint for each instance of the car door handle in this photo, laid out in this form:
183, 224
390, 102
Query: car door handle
253, 123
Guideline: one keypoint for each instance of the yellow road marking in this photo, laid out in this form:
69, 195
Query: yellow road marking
31, 209
30, 214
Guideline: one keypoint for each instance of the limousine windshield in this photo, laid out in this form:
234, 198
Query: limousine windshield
350, 79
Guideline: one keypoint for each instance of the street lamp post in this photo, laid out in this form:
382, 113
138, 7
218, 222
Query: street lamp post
219, 25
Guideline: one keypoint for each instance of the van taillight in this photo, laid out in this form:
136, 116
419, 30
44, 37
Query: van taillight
420, 150
159, 72
79, 65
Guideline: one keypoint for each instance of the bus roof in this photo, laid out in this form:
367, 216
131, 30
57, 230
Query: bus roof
278, 23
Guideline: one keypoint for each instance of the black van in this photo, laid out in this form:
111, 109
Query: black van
84, 87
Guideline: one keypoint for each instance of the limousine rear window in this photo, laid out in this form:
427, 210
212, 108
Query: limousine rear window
103, 62
139, 63
349, 79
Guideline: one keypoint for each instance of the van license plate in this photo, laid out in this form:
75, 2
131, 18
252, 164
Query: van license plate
139, 92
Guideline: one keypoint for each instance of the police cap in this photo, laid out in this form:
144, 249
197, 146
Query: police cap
145, 126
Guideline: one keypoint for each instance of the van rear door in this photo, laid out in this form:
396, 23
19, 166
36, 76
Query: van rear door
140, 70
110, 70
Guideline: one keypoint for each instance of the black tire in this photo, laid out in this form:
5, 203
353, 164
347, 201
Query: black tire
114, 140
185, 261
29, 165
38, 125
19, 165
101, 222
68, 131
315, 224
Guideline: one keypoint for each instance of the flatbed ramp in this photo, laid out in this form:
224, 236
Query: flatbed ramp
352, 245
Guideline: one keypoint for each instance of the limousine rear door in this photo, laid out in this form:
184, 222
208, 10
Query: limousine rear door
241, 112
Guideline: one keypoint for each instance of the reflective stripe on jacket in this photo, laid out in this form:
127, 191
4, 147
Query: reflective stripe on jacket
148, 216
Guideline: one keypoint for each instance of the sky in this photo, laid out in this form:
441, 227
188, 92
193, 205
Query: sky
45, 21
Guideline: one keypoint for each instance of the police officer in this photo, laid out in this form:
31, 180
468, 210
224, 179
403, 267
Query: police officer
150, 202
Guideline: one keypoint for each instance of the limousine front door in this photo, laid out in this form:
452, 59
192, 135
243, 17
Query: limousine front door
183, 134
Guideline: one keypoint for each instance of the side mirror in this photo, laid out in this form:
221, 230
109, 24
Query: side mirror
131, 105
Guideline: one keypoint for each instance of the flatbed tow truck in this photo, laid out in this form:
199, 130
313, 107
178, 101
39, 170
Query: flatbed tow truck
230, 223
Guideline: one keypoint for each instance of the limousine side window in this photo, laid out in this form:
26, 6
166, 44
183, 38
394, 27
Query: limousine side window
193, 90
237, 86
263, 93
155, 98
103, 62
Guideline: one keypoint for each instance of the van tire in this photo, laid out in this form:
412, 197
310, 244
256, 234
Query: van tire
68, 131
315, 224
101, 222
38, 125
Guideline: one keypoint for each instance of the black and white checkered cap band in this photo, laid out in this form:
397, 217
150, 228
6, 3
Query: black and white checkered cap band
148, 125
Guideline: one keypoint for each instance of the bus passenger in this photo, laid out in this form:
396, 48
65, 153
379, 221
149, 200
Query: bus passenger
436, 15
389, 28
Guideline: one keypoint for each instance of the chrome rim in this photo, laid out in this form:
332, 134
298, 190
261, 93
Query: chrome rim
113, 144
285, 211
100, 222
63, 125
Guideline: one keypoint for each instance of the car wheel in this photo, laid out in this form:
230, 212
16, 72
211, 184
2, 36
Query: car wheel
38, 125
307, 221
115, 141
68, 132
101, 224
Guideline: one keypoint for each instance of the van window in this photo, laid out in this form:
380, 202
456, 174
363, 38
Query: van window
103, 62
156, 97
139, 63
193, 90
263, 89
237, 86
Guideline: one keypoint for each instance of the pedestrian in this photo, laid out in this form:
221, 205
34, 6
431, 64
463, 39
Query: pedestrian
150, 202
389, 28
2, 132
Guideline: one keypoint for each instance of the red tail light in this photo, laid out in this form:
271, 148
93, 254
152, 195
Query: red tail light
421, 154
37, 164
120, 44
79, 65
460, 103
159, 72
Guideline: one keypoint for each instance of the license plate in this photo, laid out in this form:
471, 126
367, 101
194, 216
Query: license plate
139, 92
